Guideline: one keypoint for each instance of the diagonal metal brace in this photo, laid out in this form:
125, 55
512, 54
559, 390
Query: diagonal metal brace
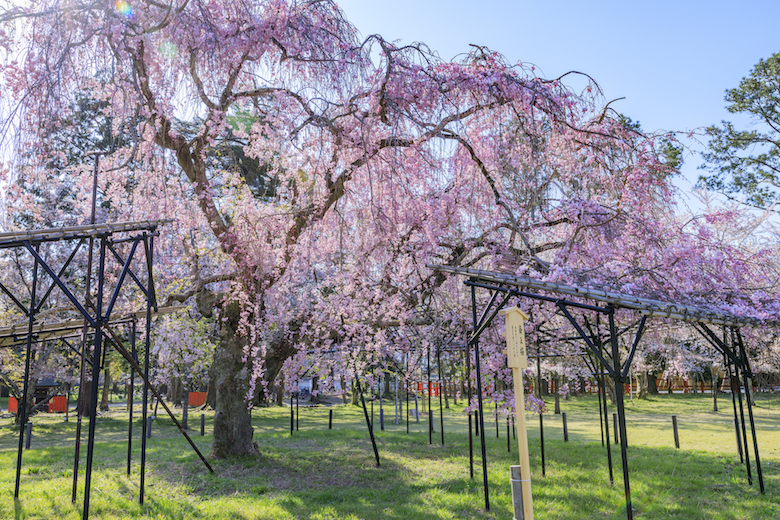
716, 342
639, 333
123, 274
477, 333
19, 304
122, 261
561, 305
59, 283
116, 342
62, 271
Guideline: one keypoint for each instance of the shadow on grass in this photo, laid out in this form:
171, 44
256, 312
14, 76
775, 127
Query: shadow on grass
315, 475
330, 474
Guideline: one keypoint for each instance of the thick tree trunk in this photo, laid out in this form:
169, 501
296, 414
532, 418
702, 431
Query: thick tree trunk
652, 387
355, 394
280, 392
106, 389
176, 391
30, 402
315, 398
344, 395
386, 393
82, 406
644, 381
557, 381
128, 394
610, 384
232, 421
749, 393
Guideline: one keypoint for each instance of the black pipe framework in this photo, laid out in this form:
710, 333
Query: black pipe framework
96, 314
368, 421
732, 346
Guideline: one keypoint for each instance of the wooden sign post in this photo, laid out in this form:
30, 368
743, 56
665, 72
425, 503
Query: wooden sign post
517, 360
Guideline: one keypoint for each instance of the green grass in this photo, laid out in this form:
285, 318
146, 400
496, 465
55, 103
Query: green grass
330, 474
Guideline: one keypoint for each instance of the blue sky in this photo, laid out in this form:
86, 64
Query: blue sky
671, 60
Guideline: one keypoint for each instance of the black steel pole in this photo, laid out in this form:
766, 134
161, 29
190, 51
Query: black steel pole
481, 414
742, 424
430, 412
96, 357
495, 414
508, 437
441, 391
21, 408
727, 364
406, 380
541, 440
748, 389
82, 377
149, 249
538, 372
130, 396
741, 410
601, 407
80, 395
129, 358
539, 395
467, 361
381, 406
618, 382
368, 423
605, 418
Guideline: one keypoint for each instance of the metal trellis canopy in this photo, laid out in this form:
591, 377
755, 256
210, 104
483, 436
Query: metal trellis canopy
96, 313
605, 350
645, 306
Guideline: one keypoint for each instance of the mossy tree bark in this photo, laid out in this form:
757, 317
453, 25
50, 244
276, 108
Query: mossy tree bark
280, 392
106, 389
652, 386
344, 396
232, 421
315, 398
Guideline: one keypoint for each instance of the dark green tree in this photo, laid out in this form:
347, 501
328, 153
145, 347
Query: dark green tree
747, 162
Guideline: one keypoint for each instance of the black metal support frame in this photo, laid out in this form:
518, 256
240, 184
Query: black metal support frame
96, 313
609, 359
441, 391
368, 421
735, 357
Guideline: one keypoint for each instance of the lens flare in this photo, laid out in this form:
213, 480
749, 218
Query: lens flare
124, 8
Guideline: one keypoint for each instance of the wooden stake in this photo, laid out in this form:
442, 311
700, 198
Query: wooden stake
517, 360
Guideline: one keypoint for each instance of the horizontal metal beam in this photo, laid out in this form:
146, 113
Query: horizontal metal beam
17, 334
647, 307
515, 292
36, 236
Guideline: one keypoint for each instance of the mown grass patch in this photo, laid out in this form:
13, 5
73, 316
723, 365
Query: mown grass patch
331, 474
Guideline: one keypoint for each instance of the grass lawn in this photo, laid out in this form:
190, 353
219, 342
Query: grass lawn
318, 473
